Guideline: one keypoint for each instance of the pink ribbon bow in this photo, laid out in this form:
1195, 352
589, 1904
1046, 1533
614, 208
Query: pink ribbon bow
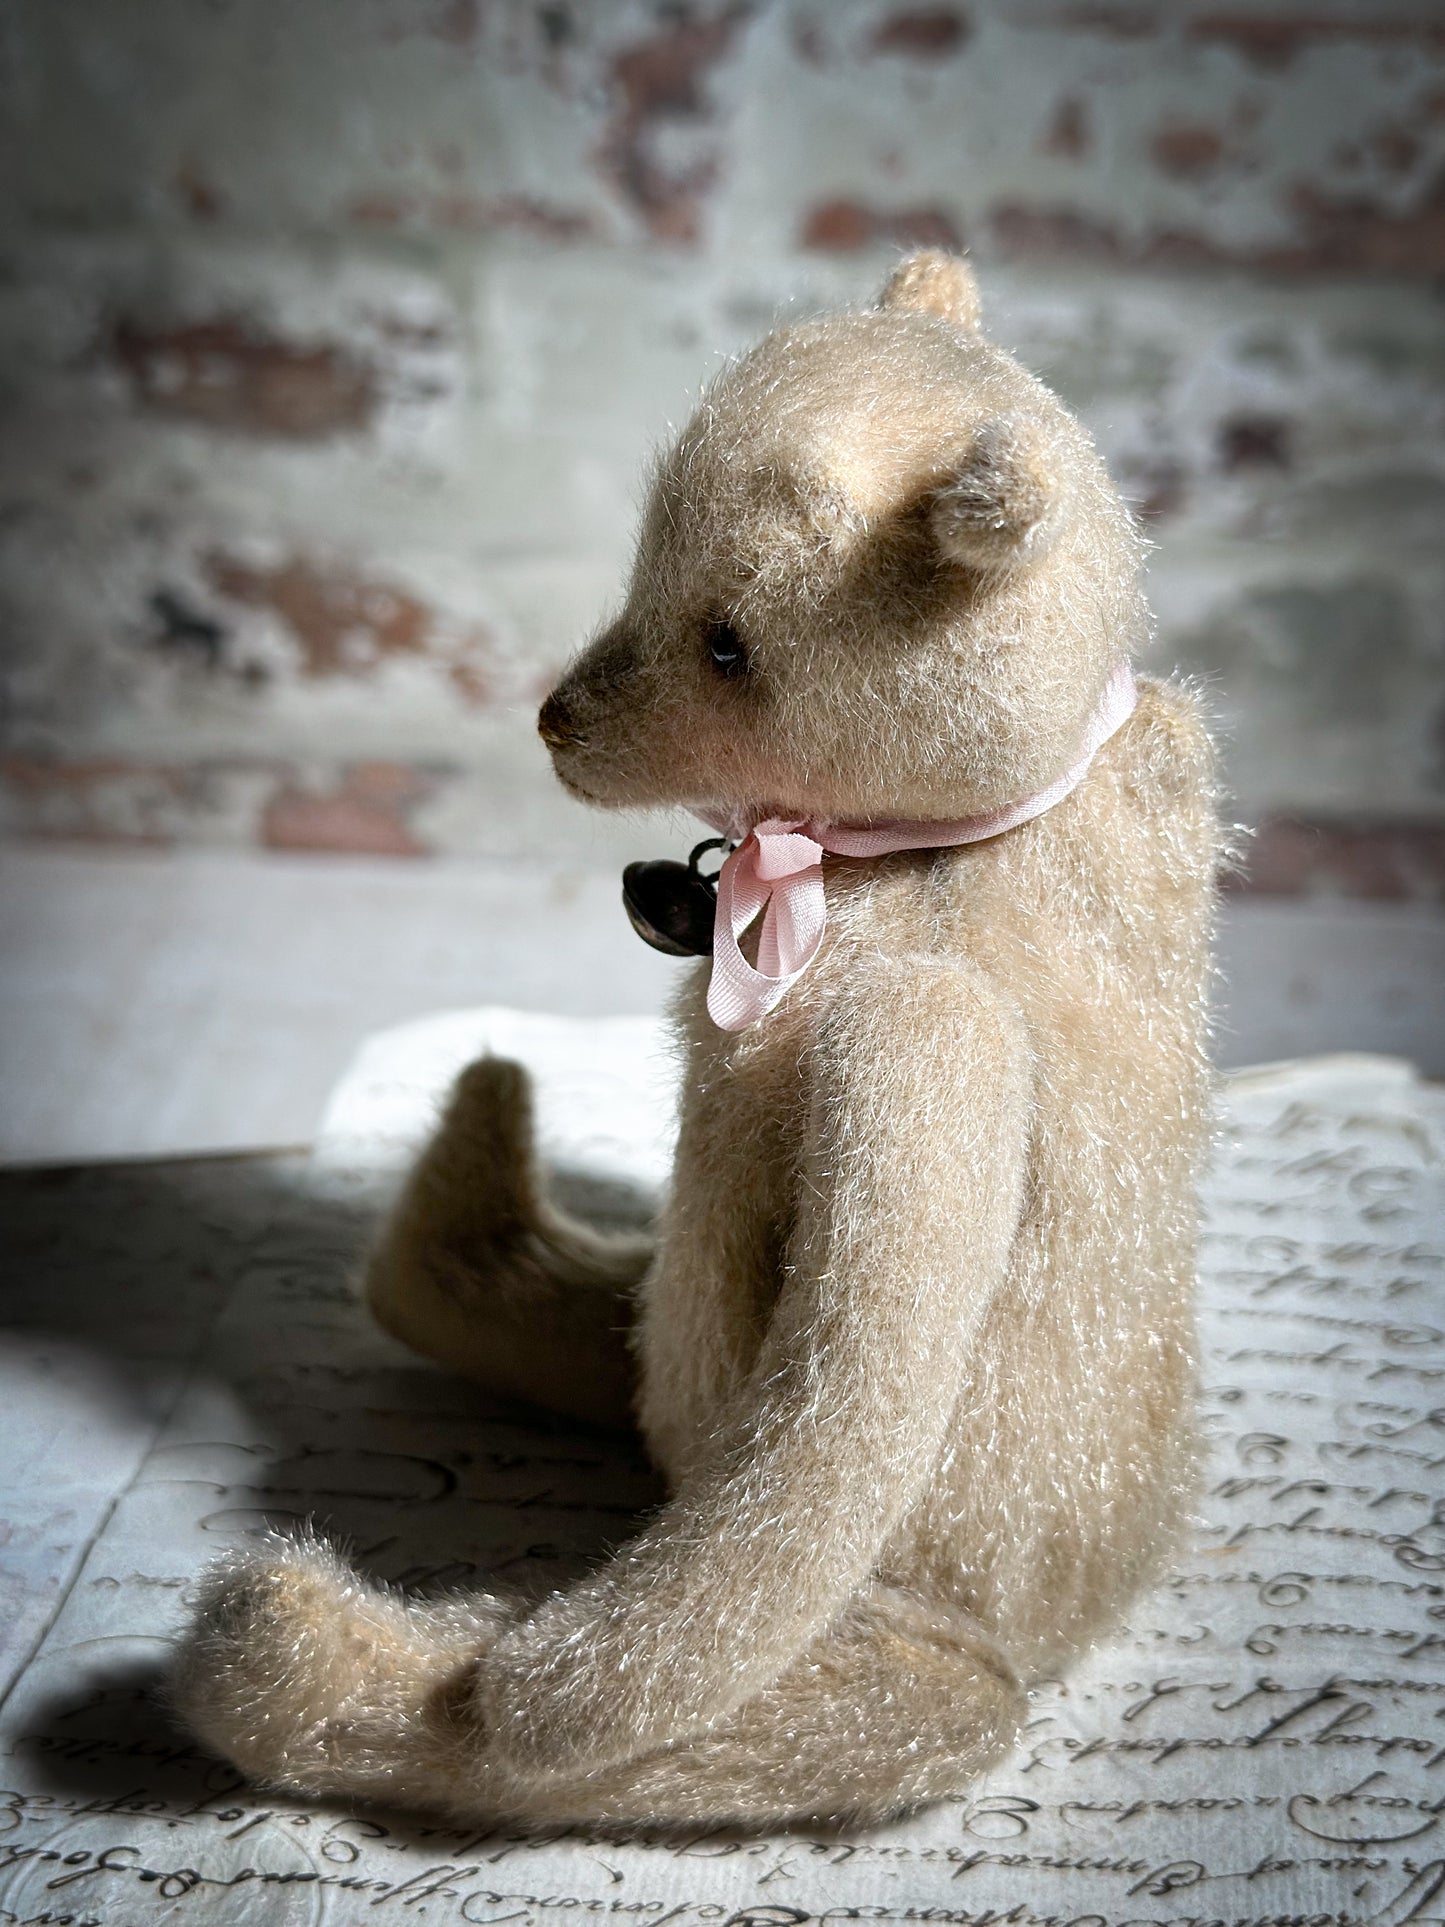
778, 869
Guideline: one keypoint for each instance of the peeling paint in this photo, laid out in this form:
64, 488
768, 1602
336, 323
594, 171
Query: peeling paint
322, 433
1359, 236
51, 799
472, 214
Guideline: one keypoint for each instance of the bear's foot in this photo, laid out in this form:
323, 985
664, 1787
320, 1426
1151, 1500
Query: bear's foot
310, 1679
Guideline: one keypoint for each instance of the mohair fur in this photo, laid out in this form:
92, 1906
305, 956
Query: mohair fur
913, 1345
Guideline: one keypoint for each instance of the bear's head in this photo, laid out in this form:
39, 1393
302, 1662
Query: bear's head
882, 574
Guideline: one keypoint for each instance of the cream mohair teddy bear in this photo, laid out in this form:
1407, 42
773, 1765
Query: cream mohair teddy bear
912, 1345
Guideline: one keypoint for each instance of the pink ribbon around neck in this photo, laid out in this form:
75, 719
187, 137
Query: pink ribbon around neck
778, 869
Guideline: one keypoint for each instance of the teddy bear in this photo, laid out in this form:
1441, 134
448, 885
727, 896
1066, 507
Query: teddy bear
912, 1343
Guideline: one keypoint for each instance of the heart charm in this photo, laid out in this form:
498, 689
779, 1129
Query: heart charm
672, 905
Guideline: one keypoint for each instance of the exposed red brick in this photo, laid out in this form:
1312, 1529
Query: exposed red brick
344, 624
365, 809
1394, 149
1265, 42
201, 200
1254, 441
843, 226
230, 374
1047, 232
1274, 41
839, 226
927, 33
1178, 248
382, 210
469, 678
1188, 153
368, 813
539, 217
458, 22
809, 42
1054, 230
661, 82
1067, 133
1155, 489
93, 799
1380, 859
1336, 237
471, 214
1360, 236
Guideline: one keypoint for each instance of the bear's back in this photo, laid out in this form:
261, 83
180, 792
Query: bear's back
1093, 923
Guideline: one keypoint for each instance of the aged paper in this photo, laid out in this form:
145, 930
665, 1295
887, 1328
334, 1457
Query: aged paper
184, 1358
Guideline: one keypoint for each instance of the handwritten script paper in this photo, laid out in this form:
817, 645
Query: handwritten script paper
185, 1359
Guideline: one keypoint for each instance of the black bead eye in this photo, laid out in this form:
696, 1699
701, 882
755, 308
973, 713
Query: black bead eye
726, 647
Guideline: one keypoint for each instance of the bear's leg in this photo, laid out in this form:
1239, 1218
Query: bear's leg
478, 1271
308, 1678
901, 1702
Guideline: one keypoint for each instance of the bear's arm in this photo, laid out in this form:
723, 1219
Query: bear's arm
910, 1192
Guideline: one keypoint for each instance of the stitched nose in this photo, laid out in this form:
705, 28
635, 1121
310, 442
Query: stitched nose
555, 725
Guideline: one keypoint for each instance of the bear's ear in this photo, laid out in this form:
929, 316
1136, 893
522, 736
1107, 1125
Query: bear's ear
934, 283
1001, 505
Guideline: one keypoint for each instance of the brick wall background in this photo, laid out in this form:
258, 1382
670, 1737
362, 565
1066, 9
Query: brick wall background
334, 335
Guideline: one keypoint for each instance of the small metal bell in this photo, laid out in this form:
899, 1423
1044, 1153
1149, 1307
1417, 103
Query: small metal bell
672, 905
